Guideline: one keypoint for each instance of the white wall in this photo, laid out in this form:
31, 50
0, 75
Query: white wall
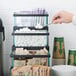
68, 31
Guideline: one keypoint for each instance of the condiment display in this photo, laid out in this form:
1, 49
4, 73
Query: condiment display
28, 62
30, 51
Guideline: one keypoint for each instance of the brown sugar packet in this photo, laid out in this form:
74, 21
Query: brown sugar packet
36, 61
27, 69
22, 70
48, 71
41, 71
33, 52
18, 63
14, 71
36, 70
18, 51
31, 61
43, 61
45, 70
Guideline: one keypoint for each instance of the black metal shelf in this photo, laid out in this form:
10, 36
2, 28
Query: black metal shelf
30, 47
30, 34
23, 57
32, 28
11, 67
23, 15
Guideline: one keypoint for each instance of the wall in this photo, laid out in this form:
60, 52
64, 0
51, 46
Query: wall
68, 31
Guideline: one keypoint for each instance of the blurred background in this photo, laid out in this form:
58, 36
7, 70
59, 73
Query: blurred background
68, 31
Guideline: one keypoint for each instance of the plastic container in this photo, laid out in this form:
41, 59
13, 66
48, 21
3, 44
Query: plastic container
30, 18
30, 57
63, 70
30, 36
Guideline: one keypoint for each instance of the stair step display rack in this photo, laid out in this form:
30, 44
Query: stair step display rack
38, 47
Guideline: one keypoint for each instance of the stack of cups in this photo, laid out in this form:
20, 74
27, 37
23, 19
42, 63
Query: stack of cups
72, 57
58, 51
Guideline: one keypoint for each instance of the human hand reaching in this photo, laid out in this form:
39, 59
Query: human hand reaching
62, 17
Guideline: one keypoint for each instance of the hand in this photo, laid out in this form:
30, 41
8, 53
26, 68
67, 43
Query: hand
62, 17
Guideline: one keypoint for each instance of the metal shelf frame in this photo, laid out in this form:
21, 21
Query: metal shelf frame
34, 34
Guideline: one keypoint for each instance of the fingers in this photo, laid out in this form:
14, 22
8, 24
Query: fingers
57, 21
62, 17
56, 17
